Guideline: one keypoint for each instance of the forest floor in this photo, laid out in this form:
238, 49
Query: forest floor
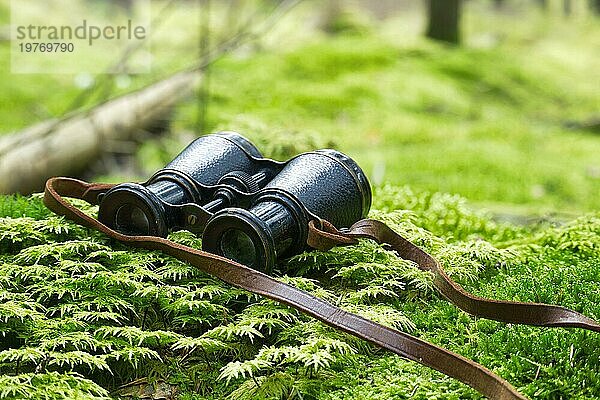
442, 132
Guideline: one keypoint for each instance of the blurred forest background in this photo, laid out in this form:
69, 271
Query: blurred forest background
507, 115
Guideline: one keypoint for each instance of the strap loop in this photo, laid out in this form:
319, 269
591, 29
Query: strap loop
326, 236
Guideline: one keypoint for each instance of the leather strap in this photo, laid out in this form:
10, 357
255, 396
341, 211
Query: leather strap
538, 314
405, 345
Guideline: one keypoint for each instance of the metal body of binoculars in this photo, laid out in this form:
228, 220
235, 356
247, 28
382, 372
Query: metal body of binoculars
248, 208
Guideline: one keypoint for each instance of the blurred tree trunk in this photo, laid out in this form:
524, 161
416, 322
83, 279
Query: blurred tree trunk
595, 6
444, 17
567, 7
543, 4
499, 4
332, 11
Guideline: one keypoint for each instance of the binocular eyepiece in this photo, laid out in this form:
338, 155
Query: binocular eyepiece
250, 209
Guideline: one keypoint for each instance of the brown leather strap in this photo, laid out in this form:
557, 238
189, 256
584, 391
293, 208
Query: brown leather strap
538, 314
445, 361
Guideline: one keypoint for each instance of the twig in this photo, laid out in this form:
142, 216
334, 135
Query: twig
120, 62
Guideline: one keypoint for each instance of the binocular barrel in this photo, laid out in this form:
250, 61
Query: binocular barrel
248, 208
324, 183
151, 208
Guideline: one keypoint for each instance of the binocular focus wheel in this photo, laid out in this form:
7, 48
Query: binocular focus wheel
241, 181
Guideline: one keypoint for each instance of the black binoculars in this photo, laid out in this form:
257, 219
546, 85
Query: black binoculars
247, 208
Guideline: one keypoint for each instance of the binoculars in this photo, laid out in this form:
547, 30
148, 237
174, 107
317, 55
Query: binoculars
247, 208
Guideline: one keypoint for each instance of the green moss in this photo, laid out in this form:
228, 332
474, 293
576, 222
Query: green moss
488, 124
341, 55
89, 314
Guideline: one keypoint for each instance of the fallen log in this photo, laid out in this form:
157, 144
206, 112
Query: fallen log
66, 146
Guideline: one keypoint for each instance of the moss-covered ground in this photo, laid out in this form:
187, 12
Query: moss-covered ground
82, 315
